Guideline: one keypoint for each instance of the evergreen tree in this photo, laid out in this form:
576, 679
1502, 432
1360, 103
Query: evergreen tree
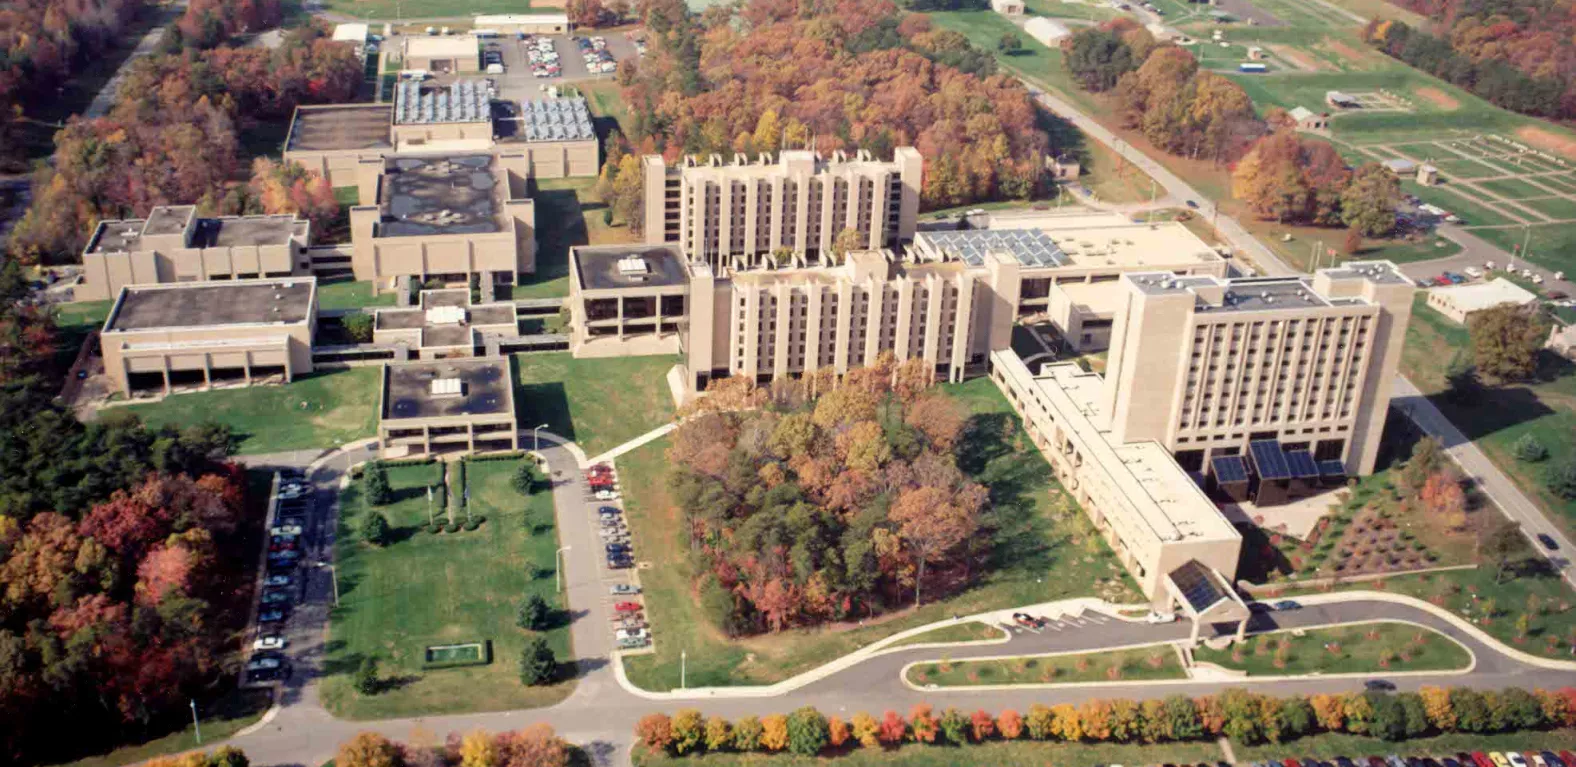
377, 485
1529, 449
533, 613
538, 665
375, 528
366, 680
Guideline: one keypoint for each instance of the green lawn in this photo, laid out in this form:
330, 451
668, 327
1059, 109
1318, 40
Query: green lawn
351, 294
1557, 207
1366, 649
426, 589
389, 10
1043, 549
220, 720
971, 631
316, 410
1138, 664
598, 403
1512, 188
1074, 10
1329, 746
73, 323
998, 754
568, 213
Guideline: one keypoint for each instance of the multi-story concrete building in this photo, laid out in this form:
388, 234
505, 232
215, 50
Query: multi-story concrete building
446, 324
459, 405
1154, 516
195, 335
1206, 366
544, 138
442, 218
174, 244
732, 215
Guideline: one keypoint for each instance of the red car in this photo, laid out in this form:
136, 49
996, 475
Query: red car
1290, 762
627, 607
1568, 758
1481, 759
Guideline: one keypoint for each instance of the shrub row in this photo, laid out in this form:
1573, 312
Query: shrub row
1244, 716
454, 527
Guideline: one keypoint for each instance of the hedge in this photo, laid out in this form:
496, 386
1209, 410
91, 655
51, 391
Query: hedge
1243, 716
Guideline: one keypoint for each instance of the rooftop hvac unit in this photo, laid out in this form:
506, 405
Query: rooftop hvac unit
633, 266
447, 387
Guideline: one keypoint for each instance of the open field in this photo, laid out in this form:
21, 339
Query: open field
1008, 754
389, 10
1139, 664
1370, 649
316, 410
568, 213
1087, 11
1044, 549
424, 589
599, 403
972, 631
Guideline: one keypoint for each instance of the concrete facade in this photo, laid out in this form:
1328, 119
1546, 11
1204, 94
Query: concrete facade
173, 244
1149, 510
445, 324
1205, 365
459, 54
445, 218
448, 406
732, 214
196, 335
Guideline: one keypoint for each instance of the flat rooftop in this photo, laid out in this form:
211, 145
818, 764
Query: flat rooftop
1098, 298
1031, 247
1483, 295
1129, 245
598, 268
462, 101
1154, 487
441, 195
242, 231
212, 304
485, 389
340, 127
1251, 294
544, 120
168, 219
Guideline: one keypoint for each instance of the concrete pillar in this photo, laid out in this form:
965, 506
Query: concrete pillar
207, 371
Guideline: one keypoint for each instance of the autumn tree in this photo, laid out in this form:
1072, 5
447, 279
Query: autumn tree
655, 731
1506, 340
1501, 545
536, 745
932, 522
1442, 496
689, 731
1291, 179
1527, 448
1369, 202
368, 749
1098, 57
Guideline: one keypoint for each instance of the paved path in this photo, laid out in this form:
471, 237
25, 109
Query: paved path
650, 436
149, 43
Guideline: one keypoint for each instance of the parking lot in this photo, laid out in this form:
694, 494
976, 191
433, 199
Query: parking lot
617, 567
520, 79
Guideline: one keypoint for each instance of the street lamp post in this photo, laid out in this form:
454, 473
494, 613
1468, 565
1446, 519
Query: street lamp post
333, 574
558, 570
195, 723
536, 441
683, 669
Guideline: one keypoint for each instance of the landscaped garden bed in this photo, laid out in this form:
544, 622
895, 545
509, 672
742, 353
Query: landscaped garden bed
1358, 649
1136, 664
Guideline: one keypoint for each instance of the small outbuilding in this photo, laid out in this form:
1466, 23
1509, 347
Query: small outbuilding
1341, 100
1401, 167
1458, 302
1047, 31
1427, 175
452, 55
1307, 119
1007, 7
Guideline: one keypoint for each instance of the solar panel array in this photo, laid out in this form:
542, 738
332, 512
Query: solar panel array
1332, 468
1031, 247
1230, 468
1302, 464
1268, 460
464, 101
1196, 586
555, 120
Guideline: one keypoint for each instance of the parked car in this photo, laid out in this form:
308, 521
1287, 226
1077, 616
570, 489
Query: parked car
275, 597
1548, 542
1556, 295
632, 622
1498, 759
1381, 685
277, 581
1515, 759
620, 563
622, 589
287, 555
631, 644
264, 663
290, 530
633, 634
1553, 759
282, 543
1287, 605
607, 495
1160, 617
264, 675
270, 642
271, 616
627, 607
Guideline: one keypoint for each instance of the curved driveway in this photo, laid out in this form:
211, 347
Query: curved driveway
600, 714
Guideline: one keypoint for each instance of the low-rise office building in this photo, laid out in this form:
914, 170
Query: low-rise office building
542, 138
195, 335
443, 218
733, 214
525, 23
1154, 516
1458, 302
1207, 366
174, 244
449, 54
446, 324
447, 406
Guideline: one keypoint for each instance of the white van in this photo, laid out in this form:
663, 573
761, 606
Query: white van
494, 69
413, 74
1473, 272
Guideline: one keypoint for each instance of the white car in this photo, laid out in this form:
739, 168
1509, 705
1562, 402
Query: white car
263, 664
607, 495
1160, 618
1473, 272
290, 530
272, 642
644, 634
623, 589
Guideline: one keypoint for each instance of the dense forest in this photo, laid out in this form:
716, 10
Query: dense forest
1160, 90
1514, 53
174, 138
45, 42
119, 579
834, 74
838, 499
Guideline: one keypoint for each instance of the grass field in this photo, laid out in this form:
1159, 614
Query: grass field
568, 213
599, 403
426, 589
351, 294
1044, 549
73, 323
1010, 754
389, 10
971, 631
1139, 664
1556, 207
1512, 188
1370, 649
316, 410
